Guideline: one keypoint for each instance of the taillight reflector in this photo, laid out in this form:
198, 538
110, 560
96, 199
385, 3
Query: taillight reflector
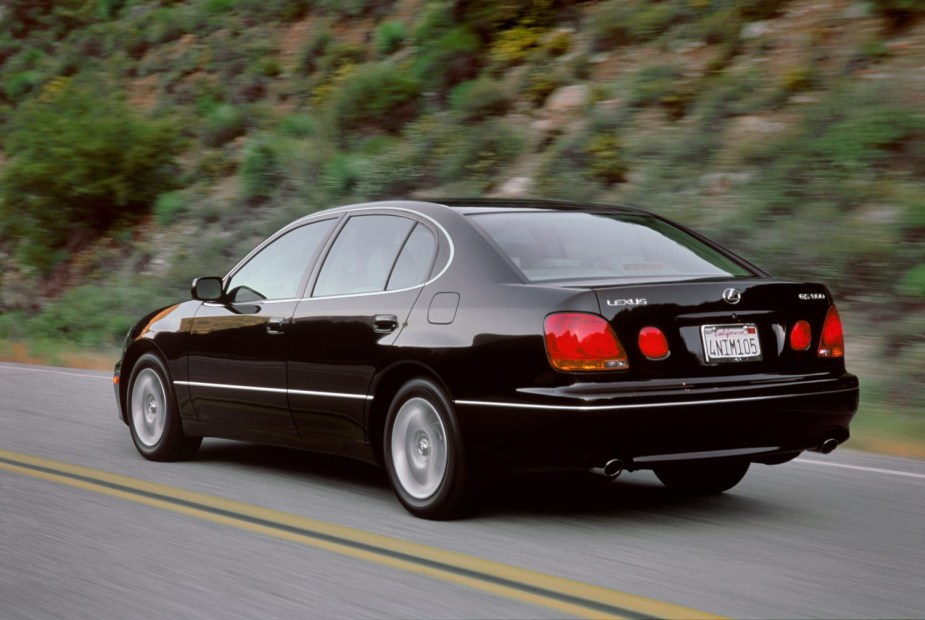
801, 336
653, 344
832, 343
577, 341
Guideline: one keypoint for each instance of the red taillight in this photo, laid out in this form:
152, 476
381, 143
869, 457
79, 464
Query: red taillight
832, 343
577, 341
653, 344
801, 336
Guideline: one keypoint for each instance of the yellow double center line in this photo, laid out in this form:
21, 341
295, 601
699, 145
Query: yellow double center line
572, 598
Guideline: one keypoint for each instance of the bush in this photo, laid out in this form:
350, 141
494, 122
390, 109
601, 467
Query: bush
275, 166
352, 8
21, 84
512, 46
389, 37
270, 10
451, 57
654, 82
620, 22
480, 99
604, 161
223, 123
912, 283
80, 159
168, 208
376, 96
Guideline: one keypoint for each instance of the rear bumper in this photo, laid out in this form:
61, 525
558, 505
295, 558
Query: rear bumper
585, 425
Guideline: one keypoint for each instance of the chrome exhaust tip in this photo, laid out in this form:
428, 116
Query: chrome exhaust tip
828, 445
611, 468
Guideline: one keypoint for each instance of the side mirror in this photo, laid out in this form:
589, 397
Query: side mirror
207, 289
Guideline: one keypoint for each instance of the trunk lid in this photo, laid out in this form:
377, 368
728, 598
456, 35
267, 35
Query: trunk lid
713, 326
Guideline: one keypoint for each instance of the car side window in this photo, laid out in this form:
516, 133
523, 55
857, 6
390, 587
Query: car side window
363, 255
415, 261
277, 270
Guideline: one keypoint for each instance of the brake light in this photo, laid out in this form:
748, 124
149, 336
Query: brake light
578, 342
832, 343
801, 336
653, 344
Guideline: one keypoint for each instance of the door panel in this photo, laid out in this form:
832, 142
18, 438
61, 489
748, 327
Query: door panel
336, 349
342, 334
238, 349
237, 370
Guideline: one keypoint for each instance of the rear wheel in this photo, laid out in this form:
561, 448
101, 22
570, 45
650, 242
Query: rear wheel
423, 452
702, 477
154, 420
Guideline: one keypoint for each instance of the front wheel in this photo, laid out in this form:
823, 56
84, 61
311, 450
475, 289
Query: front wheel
702, 477
154, 420
424, 457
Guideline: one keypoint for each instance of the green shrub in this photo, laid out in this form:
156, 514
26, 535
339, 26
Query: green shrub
477, 153
298, 126
620, 22
278, 10
389, 37
540, 84
873, 135
376, 96
654, 82
21, 84
480, 99
275, 167
80, 159
168, 207
217, 7
511, 47
490, 17
343, 173
604, 161
314, 50
352, 8
76, 316
450, 58
912, 283
261, 168
223, 123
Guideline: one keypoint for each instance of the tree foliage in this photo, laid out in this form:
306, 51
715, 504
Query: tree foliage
80, 160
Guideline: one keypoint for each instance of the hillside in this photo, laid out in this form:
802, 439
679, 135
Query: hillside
146, 142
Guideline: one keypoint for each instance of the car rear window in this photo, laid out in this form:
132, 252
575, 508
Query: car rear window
574, 245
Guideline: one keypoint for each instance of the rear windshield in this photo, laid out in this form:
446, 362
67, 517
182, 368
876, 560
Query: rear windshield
574, 245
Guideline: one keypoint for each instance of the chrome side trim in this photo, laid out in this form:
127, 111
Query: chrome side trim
253, 388
689, 403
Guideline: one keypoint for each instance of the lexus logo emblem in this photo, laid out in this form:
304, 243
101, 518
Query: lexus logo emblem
732, 296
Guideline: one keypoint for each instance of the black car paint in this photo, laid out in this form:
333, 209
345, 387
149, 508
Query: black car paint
476, 328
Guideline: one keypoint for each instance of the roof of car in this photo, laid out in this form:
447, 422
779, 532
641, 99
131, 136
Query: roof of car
482, 205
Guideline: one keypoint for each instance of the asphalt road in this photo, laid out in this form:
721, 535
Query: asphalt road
824, 536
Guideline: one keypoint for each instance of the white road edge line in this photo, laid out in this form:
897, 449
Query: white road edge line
48, 371
874, 470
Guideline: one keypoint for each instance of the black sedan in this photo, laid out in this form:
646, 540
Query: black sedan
445, 340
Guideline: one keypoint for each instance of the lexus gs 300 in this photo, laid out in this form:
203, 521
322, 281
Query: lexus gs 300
446, 340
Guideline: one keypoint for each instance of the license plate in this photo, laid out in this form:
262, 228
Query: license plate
731, 343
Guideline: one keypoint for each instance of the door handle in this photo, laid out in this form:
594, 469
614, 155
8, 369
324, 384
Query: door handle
276, 325
385, 323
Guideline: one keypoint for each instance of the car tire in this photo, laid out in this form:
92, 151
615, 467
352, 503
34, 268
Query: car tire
702, 477
153, 415
423, 452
